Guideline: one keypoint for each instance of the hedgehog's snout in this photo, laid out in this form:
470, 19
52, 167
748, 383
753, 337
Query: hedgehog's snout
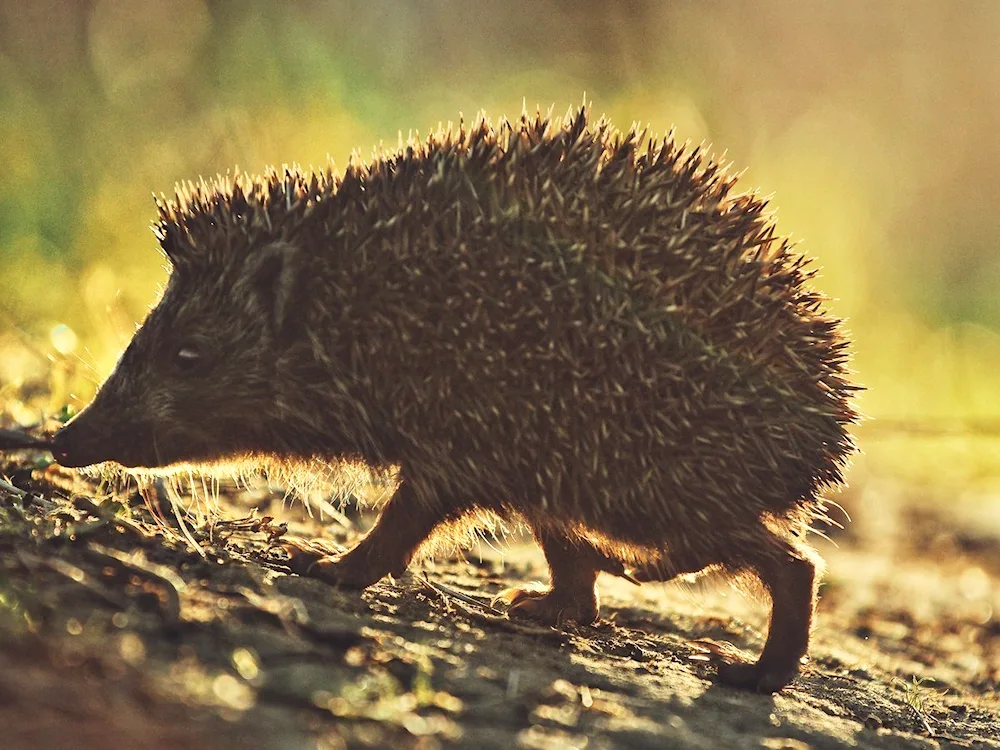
90, 438
76, 444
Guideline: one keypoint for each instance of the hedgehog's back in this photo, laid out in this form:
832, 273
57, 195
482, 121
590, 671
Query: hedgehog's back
580, 318
604, 302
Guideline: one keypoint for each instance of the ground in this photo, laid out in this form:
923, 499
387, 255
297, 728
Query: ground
121, 627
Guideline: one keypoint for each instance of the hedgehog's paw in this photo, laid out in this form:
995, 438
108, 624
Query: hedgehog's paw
761, 678
304, 552
317, 558
550, 606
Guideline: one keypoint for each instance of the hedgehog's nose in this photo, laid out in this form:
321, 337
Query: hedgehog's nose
63, 450
73, 447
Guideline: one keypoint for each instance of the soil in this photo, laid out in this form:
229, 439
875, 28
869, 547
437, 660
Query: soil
125, 624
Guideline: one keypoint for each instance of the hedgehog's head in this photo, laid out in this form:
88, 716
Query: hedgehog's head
198, 380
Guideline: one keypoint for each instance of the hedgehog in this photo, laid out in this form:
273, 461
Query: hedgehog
546, 321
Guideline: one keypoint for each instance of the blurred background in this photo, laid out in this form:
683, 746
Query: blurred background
874, 126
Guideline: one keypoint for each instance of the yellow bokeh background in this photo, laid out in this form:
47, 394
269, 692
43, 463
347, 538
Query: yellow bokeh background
874, 126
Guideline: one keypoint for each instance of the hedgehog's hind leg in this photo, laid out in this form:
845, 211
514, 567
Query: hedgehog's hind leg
790, 576
573, 564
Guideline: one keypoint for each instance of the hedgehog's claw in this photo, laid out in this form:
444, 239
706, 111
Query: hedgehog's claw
303, 554
754, 676
550, 606
318, 558
734, 669
343, 571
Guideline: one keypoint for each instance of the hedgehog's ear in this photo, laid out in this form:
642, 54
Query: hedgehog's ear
278, 276
176, 250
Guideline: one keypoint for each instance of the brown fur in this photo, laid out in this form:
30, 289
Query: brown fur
547, 320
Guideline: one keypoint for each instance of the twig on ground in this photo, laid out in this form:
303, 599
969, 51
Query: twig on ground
11, 489
87, 505
135, 563
15, 440
447, 591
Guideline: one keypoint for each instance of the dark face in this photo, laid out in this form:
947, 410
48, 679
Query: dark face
197, 380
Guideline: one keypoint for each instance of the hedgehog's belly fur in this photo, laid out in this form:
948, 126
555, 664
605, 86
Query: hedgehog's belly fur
638, 487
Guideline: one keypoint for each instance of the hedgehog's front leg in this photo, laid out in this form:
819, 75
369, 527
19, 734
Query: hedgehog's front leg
574, 565
403, 525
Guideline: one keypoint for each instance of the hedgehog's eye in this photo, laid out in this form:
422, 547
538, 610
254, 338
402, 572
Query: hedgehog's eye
189, 358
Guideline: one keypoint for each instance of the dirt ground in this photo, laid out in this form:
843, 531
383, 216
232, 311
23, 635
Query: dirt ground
116, 632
